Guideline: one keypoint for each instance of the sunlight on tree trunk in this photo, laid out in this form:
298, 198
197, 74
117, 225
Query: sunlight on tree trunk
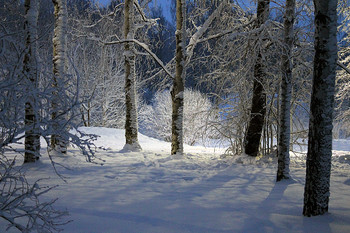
319, 155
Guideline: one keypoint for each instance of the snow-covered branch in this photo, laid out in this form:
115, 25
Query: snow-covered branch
20, 205
143, 15
226, 32
201, 30
144, 47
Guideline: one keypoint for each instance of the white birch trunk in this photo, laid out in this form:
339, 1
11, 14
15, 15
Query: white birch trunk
58, 141
286, 92
177, 92
318, 163
131, 120
30, 72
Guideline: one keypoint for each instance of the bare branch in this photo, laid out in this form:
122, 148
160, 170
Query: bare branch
341, 65
146, 48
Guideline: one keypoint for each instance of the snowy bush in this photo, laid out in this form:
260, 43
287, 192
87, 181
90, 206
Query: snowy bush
20, 206
155, 119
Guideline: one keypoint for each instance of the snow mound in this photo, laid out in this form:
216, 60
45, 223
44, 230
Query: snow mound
114, 139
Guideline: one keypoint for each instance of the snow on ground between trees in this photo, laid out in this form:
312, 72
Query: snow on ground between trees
150, 191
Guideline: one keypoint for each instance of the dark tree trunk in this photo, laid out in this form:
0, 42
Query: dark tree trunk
318, 163
258, 110
30, 71
177, 93
286, 90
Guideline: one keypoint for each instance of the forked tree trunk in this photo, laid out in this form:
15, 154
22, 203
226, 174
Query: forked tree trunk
258, 110
131, 121
58, 141
177, 92
30, 72
318, 163
286, 92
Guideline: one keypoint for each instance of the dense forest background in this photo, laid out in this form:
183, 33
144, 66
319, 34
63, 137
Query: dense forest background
222, 73
219, 73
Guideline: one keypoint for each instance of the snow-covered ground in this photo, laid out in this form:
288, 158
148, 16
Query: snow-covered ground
150, 191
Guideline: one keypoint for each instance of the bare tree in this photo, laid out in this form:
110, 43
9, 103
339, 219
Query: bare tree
258, 109
177, 92
58, 114
131, 123
31, 76
318, 163
286, 89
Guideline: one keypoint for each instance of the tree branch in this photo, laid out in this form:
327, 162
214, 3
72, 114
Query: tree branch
143, 16
201, 30
343, 67
146, 48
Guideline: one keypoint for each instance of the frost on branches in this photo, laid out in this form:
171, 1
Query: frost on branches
155, 119
20, 206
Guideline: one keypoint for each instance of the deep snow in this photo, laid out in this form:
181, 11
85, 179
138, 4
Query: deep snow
150, 191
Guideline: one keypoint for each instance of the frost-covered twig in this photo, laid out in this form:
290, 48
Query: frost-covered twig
143, 15
20, 205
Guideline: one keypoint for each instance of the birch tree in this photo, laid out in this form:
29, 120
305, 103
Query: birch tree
31, 74
131, 124
318, 163
58, 141
286, 89
177, 92
258, 107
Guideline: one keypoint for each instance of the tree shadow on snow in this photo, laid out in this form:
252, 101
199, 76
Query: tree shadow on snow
260, 219
148, 223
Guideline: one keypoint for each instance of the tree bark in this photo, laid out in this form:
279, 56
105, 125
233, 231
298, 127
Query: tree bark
30, 71
286, 91
318, 163
58, 114
131, 120
177, 92
258, 110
